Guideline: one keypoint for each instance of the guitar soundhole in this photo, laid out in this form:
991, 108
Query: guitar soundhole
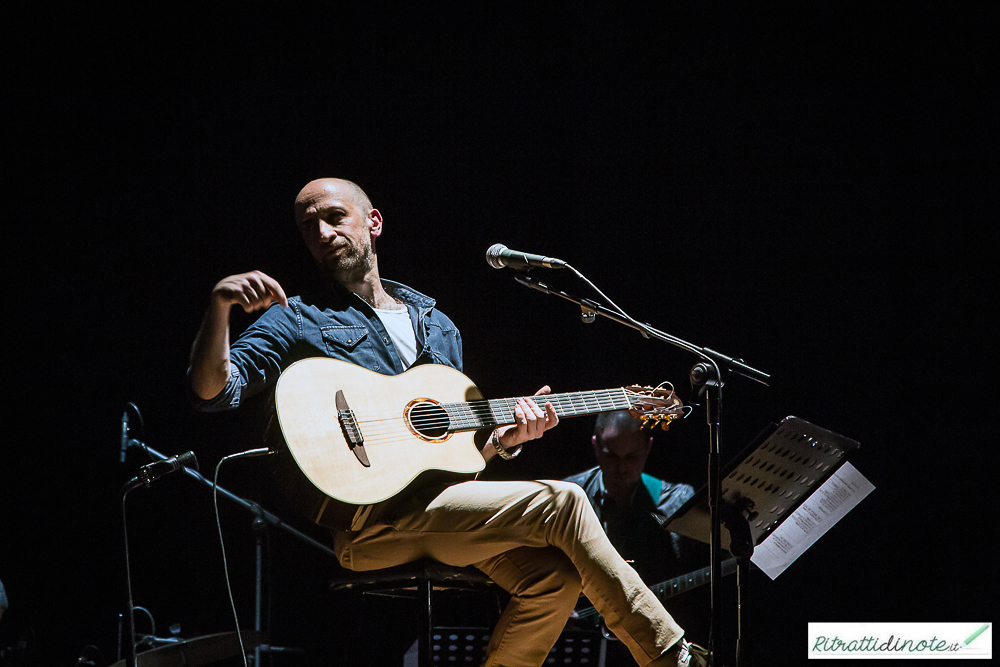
428, 420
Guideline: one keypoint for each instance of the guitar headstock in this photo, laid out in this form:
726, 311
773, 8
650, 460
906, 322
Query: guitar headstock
654, 405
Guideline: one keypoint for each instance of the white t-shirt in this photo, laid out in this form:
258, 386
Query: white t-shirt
397, 323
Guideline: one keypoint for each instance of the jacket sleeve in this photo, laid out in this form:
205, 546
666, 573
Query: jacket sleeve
257, 358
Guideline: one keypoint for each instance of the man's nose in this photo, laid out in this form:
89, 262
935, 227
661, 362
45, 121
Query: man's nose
326, 231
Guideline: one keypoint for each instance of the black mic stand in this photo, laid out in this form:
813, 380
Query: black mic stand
130, 656
261, 521
147, 475
734, 518
706, 380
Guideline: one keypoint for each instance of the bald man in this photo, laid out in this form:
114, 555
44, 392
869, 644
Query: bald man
540, 541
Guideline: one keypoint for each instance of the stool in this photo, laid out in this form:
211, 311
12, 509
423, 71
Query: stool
417, 581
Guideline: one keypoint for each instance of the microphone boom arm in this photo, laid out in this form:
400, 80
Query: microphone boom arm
734, 365
252, 507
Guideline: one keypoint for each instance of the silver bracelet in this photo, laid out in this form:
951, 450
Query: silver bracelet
501, 452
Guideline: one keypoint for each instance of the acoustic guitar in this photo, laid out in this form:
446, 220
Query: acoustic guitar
361, 437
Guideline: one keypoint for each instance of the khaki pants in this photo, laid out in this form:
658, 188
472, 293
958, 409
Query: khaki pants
540, 541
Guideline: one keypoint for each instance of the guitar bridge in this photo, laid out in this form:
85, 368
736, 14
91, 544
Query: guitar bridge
350, 427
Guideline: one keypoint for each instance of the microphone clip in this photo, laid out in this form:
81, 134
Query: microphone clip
151, 472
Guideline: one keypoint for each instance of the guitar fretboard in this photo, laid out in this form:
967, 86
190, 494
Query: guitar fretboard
668, 589
691, 580
499, 412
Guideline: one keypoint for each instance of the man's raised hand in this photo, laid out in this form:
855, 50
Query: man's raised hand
251, 291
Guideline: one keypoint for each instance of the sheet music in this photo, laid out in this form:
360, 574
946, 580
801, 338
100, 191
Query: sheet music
837, 496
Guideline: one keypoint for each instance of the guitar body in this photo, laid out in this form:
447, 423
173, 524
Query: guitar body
361, 438
392, 415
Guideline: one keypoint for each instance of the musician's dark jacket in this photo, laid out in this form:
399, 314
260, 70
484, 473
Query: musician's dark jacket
329, 322
656, 555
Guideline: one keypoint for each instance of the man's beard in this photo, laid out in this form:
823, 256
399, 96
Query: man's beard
352, 264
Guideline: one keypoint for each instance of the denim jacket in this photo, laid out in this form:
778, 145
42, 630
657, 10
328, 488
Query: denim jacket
332, 323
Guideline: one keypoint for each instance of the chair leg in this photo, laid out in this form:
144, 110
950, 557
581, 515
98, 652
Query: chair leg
425, 655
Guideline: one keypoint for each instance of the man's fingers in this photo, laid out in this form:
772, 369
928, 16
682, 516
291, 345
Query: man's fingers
245, 303
251, 291
254, 295
537, 411
551, 418
271, 289
537, 420
279, 294
528, 414
530, 421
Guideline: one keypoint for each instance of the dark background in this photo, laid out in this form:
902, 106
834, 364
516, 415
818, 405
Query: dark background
810, 188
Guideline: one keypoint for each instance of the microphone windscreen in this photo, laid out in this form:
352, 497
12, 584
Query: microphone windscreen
493, 255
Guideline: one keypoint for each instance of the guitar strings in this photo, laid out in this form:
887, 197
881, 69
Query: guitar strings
425, 423
575, 398
443, 417
488, 408
473, 415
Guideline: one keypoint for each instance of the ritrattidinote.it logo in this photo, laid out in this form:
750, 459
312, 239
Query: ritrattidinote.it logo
940, 641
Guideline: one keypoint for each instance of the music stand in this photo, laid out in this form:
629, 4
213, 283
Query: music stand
467, 646
764, 485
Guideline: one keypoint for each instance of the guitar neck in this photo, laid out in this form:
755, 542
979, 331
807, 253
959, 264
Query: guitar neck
691, 580
500, 412
671, 587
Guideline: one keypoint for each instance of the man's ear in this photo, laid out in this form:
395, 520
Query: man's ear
374, 223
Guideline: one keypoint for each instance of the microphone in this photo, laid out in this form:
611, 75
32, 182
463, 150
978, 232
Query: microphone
151, 472
500, 256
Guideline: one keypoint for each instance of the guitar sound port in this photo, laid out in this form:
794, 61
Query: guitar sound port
428, 420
